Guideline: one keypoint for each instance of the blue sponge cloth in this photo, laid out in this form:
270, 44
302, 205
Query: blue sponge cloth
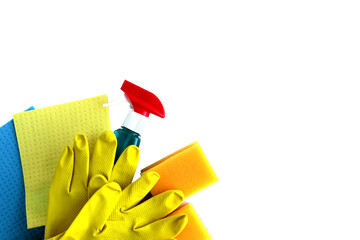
12, 192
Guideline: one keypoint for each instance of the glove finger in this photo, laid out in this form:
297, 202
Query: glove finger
102, 160
125, 166
81, 165
157, 207
93, 216
95, 184
64, 172
135, 192
60, 186
166, 228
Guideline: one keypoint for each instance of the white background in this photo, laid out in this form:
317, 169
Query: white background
270, 89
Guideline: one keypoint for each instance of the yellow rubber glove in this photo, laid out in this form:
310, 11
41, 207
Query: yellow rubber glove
69, 190
103, 172
102, 169
143, 221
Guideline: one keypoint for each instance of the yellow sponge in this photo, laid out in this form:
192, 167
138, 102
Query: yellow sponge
187, 170
195, 229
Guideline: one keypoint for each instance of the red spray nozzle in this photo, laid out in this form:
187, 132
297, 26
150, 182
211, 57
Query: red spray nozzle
143, 101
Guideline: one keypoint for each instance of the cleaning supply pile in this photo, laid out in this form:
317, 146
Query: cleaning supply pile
65, 175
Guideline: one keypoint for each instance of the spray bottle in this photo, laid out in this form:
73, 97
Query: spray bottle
143, 103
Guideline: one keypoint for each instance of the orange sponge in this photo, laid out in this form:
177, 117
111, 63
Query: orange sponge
187, 170
195, 229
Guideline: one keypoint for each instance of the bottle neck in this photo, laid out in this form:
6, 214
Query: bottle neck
135, 122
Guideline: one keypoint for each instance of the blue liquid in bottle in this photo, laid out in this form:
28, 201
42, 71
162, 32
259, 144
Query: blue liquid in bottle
125, 137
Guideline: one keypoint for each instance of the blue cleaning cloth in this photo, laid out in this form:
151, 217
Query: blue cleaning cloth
12, 193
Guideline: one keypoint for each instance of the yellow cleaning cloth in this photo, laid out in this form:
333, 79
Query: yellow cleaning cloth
42, 135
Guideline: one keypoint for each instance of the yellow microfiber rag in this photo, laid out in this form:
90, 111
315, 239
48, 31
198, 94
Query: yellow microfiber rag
187, 169
42, 135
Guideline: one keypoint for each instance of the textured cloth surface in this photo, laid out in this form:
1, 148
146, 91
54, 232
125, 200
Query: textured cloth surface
42, 135
12, 197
